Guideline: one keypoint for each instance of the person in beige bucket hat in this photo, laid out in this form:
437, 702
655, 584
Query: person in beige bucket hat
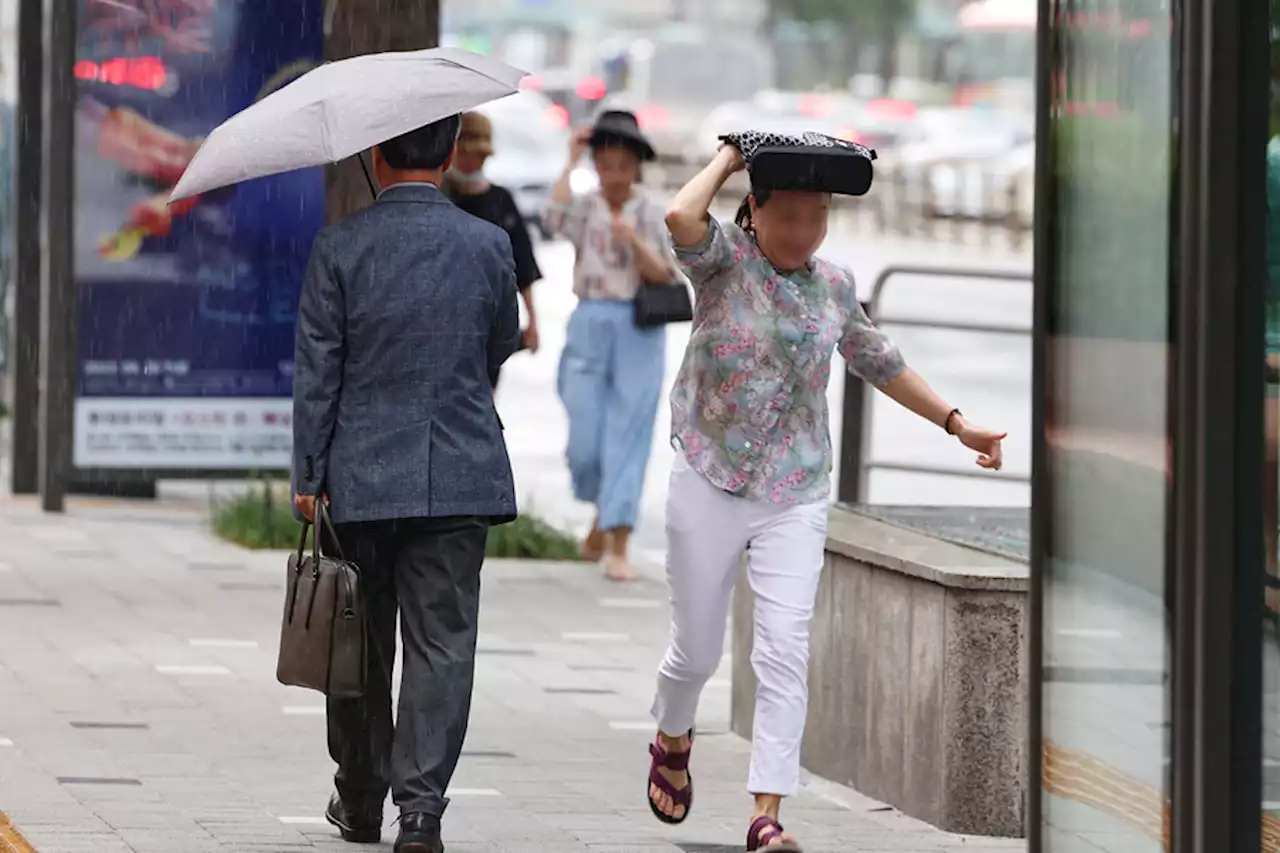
467, 187
476, 136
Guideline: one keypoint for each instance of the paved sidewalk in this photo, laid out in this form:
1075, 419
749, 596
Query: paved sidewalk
139, 709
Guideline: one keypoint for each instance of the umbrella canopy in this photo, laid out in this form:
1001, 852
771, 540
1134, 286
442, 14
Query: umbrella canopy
343, 108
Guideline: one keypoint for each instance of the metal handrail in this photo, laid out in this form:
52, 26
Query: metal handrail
856, 431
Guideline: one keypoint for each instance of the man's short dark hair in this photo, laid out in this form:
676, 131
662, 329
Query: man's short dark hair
426, 148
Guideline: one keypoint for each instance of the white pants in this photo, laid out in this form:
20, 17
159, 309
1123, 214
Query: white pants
707, 532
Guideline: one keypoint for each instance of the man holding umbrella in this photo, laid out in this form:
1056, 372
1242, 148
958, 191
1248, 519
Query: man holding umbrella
407, 307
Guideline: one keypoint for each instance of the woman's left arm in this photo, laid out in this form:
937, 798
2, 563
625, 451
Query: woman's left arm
910, 391
874, 358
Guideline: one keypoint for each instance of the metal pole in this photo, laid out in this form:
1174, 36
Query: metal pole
1217, 562
849, 488
28, 141
1044, 280
57, 281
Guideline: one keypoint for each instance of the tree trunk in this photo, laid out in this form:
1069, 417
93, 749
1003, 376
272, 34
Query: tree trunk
372, 26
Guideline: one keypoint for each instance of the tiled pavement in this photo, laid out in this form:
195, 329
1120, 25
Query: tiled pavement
139, 709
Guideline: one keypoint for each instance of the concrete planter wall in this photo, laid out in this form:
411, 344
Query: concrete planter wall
918, 676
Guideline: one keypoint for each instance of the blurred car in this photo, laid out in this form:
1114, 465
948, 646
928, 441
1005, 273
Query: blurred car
578, 95
679, 72
883, 125
726, 118
962, 163
531, 143
1000, 187
951, 134
774, 112
968, 163
816, 104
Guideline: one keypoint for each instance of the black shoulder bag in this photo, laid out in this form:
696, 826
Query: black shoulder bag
660, 304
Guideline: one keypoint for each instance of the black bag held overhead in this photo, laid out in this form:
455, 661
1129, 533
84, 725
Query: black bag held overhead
812, 162
322, 636
660, 304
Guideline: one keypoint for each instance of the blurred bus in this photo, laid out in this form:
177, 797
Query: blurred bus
997, 54
997, 57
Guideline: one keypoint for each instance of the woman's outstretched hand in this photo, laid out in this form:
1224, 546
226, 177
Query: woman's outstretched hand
985, 442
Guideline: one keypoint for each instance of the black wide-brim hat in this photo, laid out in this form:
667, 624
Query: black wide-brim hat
619, 127
810, 162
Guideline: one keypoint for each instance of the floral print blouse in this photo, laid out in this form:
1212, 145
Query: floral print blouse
749, 407
605, 268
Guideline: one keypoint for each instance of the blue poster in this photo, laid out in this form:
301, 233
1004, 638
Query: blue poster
186, 310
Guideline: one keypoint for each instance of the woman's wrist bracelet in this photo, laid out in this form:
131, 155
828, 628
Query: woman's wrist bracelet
951, 416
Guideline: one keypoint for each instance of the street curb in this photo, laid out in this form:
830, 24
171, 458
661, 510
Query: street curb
11, 841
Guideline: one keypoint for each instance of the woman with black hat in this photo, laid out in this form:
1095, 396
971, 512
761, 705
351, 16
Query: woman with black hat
753, 468
611, 371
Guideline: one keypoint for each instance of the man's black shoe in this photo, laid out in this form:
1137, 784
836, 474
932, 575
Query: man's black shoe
419, 833
357, 825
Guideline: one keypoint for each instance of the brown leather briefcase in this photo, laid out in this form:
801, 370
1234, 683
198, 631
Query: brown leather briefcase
322, 637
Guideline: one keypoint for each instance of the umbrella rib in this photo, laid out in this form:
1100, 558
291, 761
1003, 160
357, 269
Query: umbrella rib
326, 140
477, 71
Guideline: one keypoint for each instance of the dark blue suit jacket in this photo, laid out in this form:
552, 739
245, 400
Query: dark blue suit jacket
406, 306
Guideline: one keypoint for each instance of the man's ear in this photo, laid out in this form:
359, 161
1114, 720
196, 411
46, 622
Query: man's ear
448, 161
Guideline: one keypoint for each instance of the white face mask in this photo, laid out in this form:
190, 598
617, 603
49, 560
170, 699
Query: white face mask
467, 177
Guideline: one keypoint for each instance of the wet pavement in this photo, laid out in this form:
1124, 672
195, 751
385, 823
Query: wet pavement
139, 709
1005, 531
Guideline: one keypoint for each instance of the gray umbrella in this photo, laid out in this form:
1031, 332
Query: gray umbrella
343, 108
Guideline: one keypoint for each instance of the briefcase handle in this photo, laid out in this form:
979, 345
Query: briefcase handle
323, 524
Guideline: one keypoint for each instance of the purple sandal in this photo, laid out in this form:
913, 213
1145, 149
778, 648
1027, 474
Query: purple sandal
679, 796
765, 831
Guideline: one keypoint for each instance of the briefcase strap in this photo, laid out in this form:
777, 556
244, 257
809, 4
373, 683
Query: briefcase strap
323, 523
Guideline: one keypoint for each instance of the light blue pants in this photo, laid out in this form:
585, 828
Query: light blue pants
610, 382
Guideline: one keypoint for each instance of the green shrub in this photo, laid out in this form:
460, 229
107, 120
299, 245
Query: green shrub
259, 518
530, 538
263, 518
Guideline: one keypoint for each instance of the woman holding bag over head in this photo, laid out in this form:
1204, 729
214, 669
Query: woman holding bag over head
610, 378
754, 459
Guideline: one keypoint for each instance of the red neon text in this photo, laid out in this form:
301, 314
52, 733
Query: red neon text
139, 72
